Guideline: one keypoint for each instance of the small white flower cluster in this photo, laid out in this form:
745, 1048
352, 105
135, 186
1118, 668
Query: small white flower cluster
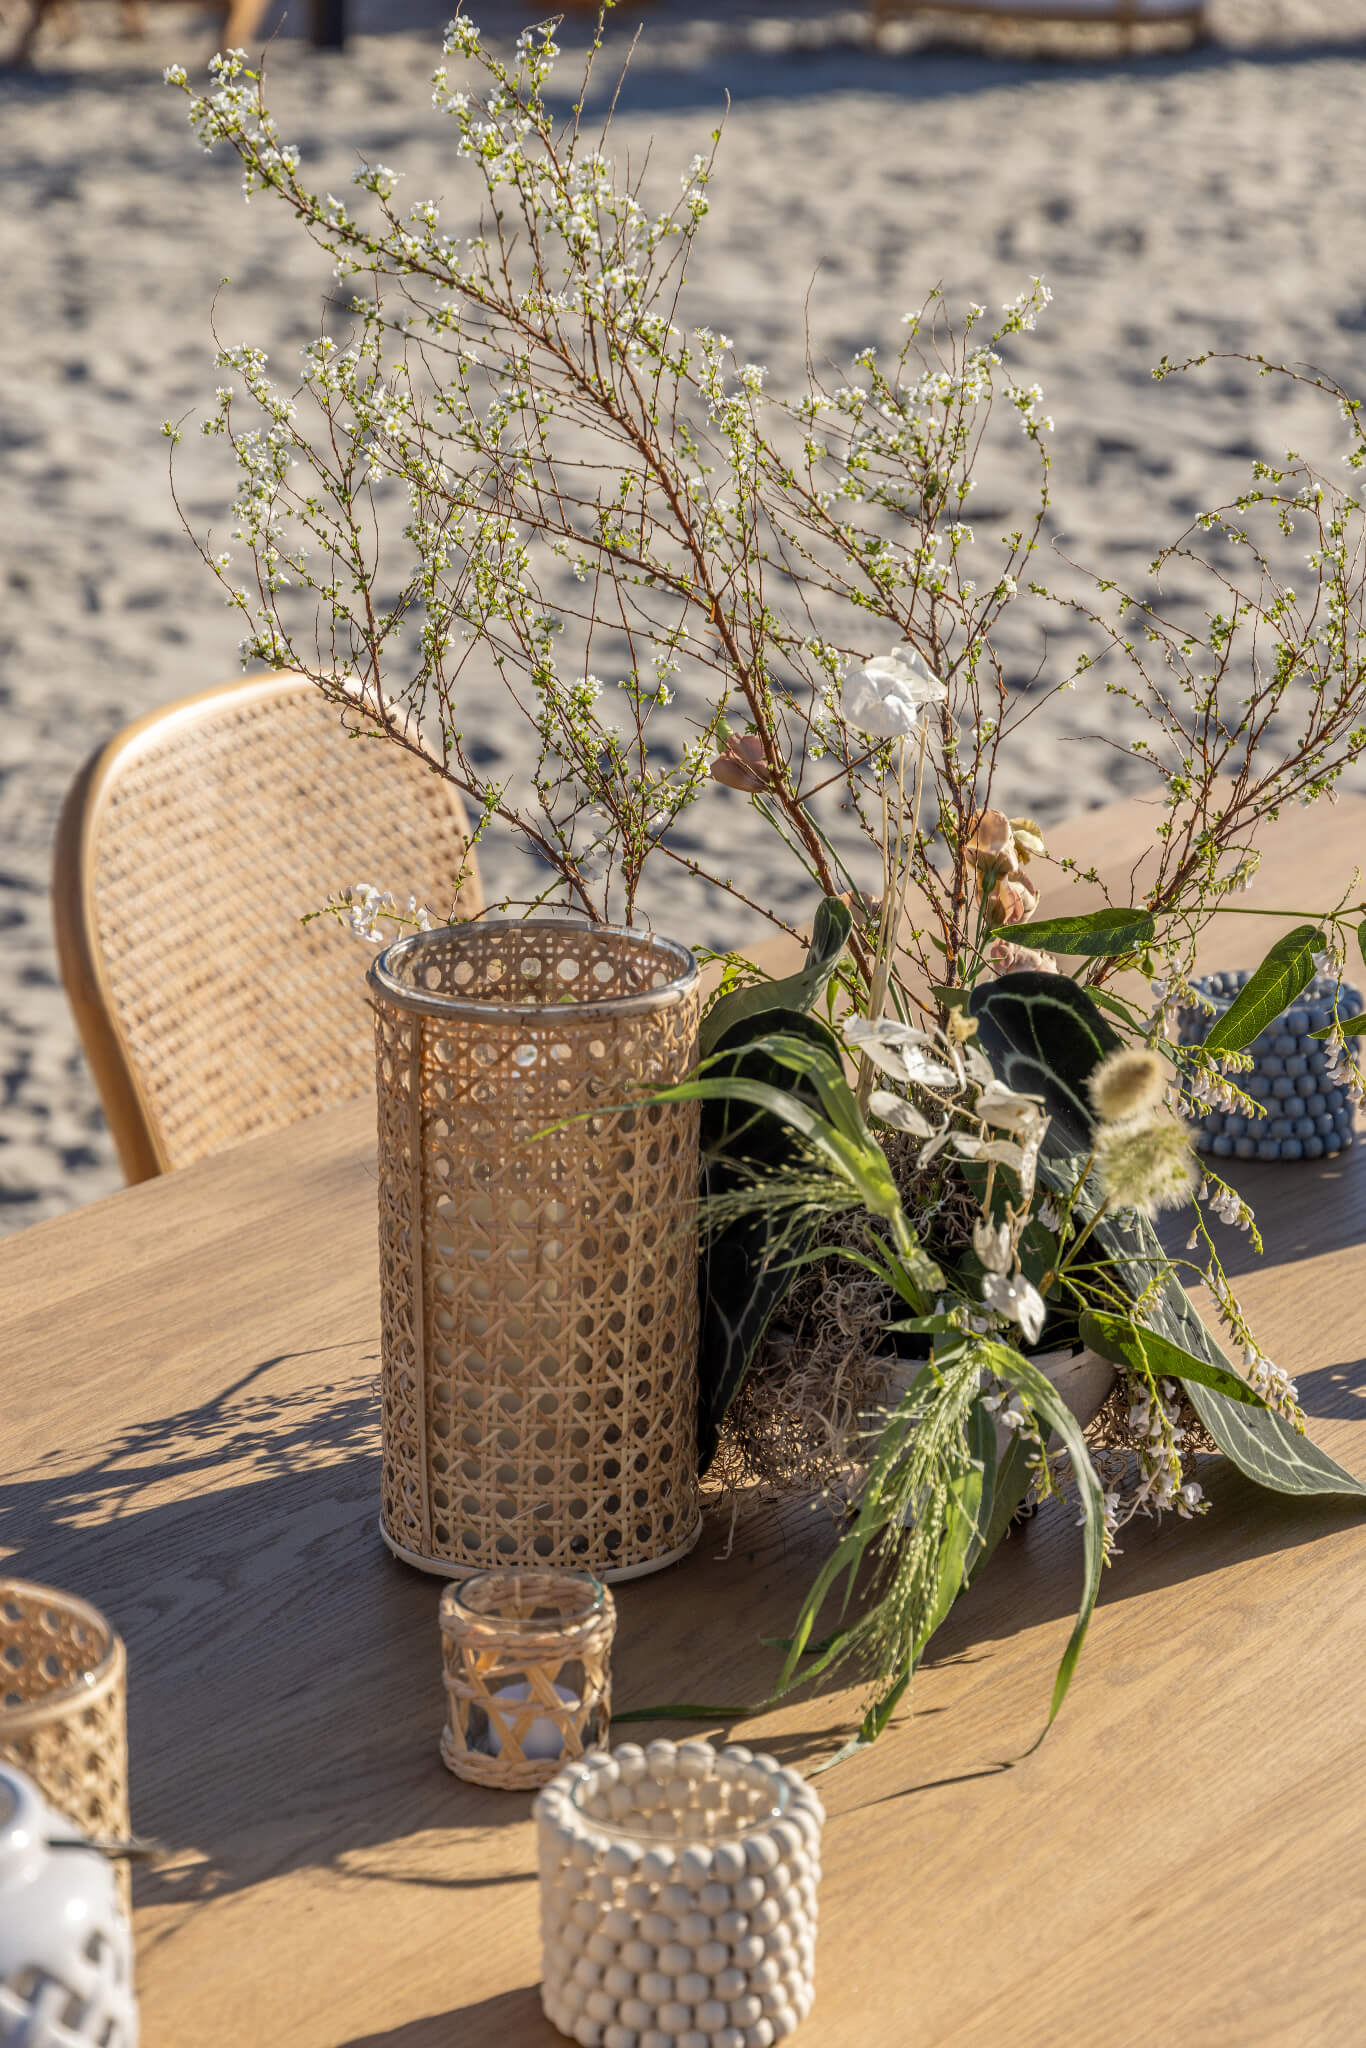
1343, 1072
1156, 1420
1272, 1382
1227, 1204
369, 905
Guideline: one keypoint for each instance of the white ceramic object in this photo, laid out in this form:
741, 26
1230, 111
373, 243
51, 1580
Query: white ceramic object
66, 1954
678, 1897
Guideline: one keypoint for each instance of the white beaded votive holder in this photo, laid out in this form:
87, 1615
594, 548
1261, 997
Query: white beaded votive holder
678, 1897
527, 1659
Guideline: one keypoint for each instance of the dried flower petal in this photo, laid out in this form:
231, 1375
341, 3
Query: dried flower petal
742, 764
899, 1113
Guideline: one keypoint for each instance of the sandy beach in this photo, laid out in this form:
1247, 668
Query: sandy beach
1174, 200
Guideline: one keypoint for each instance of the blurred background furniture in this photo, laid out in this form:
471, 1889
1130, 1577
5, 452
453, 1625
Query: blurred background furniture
189, 849
242, 20
1123, 14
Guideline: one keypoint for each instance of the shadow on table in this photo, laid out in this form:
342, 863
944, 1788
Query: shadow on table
468, 2026
274, 1646
1305, 1209
276, 1652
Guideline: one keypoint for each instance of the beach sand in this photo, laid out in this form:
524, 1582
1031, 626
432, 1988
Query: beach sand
1174, 200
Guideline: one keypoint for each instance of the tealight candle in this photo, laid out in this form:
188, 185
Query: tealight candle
542, 1738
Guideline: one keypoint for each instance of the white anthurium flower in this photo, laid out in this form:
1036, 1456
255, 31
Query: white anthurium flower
900, 1114
884, 1031
991, 1242
888, 696
1019, 1300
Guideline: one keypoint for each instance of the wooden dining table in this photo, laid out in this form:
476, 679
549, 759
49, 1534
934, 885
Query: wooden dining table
189, 1437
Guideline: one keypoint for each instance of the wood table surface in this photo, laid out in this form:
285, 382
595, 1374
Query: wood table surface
189, 1437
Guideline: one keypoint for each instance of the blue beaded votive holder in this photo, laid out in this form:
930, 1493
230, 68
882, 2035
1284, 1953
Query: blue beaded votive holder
1307, 1117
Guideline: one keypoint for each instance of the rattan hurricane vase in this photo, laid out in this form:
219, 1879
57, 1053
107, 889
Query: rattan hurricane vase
539, 1285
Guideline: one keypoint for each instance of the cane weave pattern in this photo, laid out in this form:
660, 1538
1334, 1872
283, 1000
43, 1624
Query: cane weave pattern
539, 1292
214, 838
63, 1715
513, 1644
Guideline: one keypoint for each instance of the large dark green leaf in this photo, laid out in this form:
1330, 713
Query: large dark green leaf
830, 931
1044, 1036
1287, 968
1101, 932
747, 1269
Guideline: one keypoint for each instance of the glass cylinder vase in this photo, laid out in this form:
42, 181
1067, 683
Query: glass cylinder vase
537, 1248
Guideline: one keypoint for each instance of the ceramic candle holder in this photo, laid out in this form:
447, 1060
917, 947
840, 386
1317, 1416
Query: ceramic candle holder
66, 1955
678, 1897
528, 1674
1308, 1116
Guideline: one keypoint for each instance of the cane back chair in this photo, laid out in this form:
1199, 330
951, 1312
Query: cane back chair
189, 849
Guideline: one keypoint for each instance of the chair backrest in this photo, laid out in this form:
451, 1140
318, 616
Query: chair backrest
188, 851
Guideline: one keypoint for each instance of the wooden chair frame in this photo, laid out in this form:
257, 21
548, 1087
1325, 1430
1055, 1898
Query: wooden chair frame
128, 1106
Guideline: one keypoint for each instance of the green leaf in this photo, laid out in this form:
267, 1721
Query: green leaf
830, 931
1361, 940
1012, 1484
982, 1445
1126, 1343
1100, 932
1287, 968
1348, 1026
1048, 1404
1264, 1446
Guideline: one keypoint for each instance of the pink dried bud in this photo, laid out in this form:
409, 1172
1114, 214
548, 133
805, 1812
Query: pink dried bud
990, 842
742, 764
1012, 900
1008, 959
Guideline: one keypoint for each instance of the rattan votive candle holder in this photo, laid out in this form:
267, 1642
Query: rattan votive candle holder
63, 1714
527, 1659
678, 1897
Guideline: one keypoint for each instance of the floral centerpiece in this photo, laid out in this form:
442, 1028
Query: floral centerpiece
946, 1138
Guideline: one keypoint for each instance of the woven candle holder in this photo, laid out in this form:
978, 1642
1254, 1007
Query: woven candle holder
63, 1716
528, 1674
539, 1292
678, 1897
